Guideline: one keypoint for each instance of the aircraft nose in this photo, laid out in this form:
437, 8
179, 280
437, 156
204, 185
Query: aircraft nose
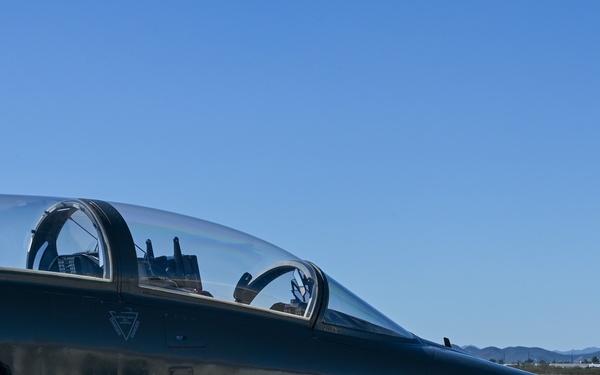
453, 362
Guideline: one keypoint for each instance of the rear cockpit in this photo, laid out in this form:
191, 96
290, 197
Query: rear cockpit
69, 239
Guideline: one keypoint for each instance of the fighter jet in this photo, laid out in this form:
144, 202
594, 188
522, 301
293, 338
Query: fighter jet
91, 287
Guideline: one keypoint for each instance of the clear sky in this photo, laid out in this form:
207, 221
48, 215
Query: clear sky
439, 158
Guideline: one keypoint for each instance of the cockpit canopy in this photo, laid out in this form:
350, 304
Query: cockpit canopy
176, 254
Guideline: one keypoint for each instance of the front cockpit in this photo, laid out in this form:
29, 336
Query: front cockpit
190, 256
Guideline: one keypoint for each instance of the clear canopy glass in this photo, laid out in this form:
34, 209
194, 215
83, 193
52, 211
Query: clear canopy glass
346, 309
177, 254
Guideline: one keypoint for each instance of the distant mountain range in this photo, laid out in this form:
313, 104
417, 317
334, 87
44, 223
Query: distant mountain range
516, 354
580, 351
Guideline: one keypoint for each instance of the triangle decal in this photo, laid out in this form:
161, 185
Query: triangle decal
125, 323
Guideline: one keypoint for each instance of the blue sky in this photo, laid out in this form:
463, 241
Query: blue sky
438, 158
